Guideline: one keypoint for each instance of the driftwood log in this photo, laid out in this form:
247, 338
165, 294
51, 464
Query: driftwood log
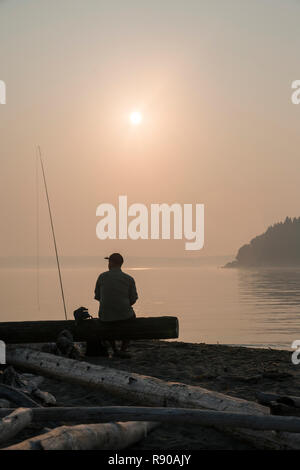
107, 414
17, 396
13, 423
267, 398
27, 384
89, 330
143, 389
284, 405
283, 410
88, 437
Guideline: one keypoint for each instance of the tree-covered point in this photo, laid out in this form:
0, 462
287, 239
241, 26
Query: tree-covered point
278, 246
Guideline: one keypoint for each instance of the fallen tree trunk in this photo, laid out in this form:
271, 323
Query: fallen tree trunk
283, 410
17, 396
107, 414
268, 398
141, 388
23, 389
14, 422
110, 436
89, 330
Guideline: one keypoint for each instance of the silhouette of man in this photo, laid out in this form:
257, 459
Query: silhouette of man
116, 292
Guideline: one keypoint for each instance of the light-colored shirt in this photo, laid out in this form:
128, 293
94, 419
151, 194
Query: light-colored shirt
116, 293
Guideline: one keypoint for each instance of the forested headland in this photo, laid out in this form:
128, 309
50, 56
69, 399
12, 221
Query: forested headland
279, 245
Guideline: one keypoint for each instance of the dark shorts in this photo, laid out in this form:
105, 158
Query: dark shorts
119, 321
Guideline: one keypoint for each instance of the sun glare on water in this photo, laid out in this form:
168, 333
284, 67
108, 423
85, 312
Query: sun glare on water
136, 118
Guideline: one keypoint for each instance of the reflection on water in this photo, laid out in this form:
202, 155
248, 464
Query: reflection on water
270, 286
273, 295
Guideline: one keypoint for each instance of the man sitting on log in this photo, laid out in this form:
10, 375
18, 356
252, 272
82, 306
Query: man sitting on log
116, 292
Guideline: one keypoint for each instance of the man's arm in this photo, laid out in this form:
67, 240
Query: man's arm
97, 290
133, 296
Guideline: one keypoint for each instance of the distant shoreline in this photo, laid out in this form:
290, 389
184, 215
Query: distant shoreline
32, 262
237, 265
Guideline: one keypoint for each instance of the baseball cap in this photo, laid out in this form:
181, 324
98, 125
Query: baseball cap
115, 258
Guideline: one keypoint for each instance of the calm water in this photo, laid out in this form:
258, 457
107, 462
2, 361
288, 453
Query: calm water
249, 307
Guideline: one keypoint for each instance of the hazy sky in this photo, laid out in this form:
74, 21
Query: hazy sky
213, 81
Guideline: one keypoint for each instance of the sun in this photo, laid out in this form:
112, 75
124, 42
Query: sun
136, 118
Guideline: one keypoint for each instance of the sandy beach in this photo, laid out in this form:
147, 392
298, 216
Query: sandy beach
236, 371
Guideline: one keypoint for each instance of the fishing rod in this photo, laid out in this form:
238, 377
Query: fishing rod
37, 232
53, 233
